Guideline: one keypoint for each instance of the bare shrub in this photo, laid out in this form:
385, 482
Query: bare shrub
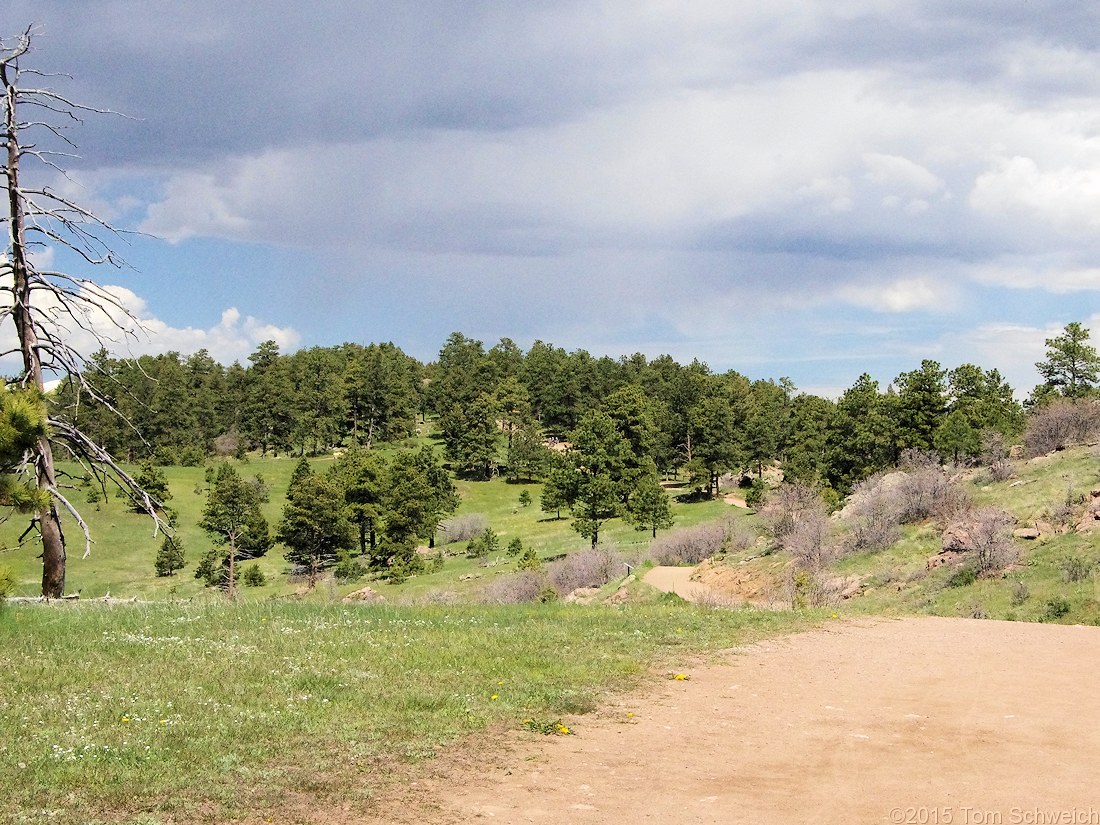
988, 533
593, 567
994, 447
1061, 424
812, 588
228, 443
710, 600
462, 528
518, 588
1076, 568
879, 505
694, 544
789, 505
1001, 470
809, 543
926, 491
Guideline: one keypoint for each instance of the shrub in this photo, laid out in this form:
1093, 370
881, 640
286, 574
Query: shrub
874, 511
756, 493
990, 539
480, 547
809, 544
694, 544
1061, 424
519, 588
462, 528
253, 576
1056, 608
1001, 470
1020, 593
347, 569
926, 491
1075, 568
593, 567
529, 560
963, 577
789, 505
515, 547
809, 588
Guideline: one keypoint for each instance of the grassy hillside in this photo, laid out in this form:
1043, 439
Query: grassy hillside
121, 561
1055, 578
197, 710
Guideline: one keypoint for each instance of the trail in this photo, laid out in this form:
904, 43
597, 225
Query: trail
893, 721
675, 580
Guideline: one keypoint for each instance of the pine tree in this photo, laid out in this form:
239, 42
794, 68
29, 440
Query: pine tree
169, 557
1072, 366
314, 526
233, 519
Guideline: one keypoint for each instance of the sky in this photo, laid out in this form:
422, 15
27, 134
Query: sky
803, 188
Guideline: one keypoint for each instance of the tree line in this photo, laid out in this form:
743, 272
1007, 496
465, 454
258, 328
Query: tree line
503, 410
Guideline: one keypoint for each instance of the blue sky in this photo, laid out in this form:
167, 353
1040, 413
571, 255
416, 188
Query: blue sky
808, 189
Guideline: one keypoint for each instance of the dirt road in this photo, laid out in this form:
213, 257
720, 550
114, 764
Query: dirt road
922, 720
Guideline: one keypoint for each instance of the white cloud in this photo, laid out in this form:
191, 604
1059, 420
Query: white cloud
1067, 197
896, 172
1042, 276
902, 295
119, 320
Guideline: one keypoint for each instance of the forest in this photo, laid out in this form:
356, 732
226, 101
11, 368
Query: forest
601, 435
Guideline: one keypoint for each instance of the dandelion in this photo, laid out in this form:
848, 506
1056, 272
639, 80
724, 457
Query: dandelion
563, 730
680, 677
494, 697
629, 715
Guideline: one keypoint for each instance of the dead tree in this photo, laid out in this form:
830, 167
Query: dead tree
45, 306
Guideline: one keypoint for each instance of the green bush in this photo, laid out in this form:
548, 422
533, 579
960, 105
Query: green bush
253, 576
1056, 608
963, 577
348, 569
754, 496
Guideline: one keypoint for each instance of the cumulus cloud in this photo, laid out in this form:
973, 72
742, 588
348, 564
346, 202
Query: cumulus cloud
648, 172
118, 320
1066, 197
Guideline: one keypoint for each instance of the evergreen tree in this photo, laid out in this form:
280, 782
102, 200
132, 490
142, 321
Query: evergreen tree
361, 474
233, 520
649, 507
599, 456
1072, 366
22, 423
862, 437
314, 527
921, 405
169, 557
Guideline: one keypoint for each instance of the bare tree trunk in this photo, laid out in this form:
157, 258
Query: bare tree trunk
53, 540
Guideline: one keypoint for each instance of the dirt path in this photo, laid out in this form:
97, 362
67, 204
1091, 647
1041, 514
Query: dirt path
675, 580
920, 720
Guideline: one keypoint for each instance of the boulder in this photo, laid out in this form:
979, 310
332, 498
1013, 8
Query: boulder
364, 595
956, 539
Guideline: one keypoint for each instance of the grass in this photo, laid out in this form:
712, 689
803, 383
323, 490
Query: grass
121, 561
186, 712
190, 709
